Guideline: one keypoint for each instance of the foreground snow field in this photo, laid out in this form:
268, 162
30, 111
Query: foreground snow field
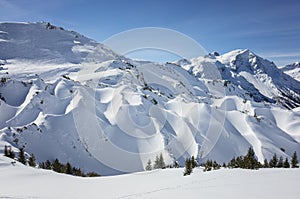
24, 182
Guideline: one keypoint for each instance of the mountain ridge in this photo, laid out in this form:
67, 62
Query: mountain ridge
106, 113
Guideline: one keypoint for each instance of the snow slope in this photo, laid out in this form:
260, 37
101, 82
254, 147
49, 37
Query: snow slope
260, 78
292, 69
24, 182
106, 113
44, 42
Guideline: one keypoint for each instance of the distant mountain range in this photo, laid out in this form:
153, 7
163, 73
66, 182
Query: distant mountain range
66, 96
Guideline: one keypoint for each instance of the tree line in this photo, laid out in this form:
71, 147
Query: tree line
249, 161
56, 165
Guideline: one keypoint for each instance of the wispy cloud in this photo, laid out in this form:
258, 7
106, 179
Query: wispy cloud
281, 54
282, 58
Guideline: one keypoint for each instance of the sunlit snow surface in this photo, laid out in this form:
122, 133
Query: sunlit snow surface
80, 102
20, 182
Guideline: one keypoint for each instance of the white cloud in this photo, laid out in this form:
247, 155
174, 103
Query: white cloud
281, 54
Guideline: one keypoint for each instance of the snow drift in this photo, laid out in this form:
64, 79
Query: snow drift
65, 96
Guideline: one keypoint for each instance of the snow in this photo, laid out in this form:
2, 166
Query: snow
292, 69
80, 102
24, 182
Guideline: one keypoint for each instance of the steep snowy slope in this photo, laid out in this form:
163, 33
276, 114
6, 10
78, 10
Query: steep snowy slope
260, 78
292, 70
106, 113
45, 42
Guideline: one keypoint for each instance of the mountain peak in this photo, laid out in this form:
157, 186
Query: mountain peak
115, 114
42, 41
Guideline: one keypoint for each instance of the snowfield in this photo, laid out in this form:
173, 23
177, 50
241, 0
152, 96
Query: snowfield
20, 182
65, 96
292, 69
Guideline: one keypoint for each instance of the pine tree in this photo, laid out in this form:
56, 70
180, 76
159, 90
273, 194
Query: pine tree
92, 174
156, 162
295, 161
286, 163
280, 162
193, 162
250, 161
77, 172
56, 166
21, 157
11, 154
273, 162
48, 165
176, 165
68, 169
159, 162
5, 151
188, 167
8, 152
266, 163
215, 165
42, 165
208, 165
31, 161
149, 166
232, 163
162, 164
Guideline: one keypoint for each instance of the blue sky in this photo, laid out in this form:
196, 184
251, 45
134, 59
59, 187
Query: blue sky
270, 28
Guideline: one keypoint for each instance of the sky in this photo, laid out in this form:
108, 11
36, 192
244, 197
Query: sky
269, 28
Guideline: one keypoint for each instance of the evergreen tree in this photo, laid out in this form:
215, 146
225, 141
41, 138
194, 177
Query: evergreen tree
295, 161
5, 151
48, 165
250, 161
77, 172
266, 163
286, 163
56, 166
273, 162
240, 162
176, 165
68, 169
92, 174
42, 165
215, 165
188, 167
31, 161
149, 166
162, 164
11, 154
159, 162
232, 163
21, 157
280, 162
156, 162
208, 165
193, 162
8, 152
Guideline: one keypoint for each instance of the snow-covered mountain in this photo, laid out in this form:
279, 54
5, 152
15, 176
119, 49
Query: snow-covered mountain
293, 70
65, 96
